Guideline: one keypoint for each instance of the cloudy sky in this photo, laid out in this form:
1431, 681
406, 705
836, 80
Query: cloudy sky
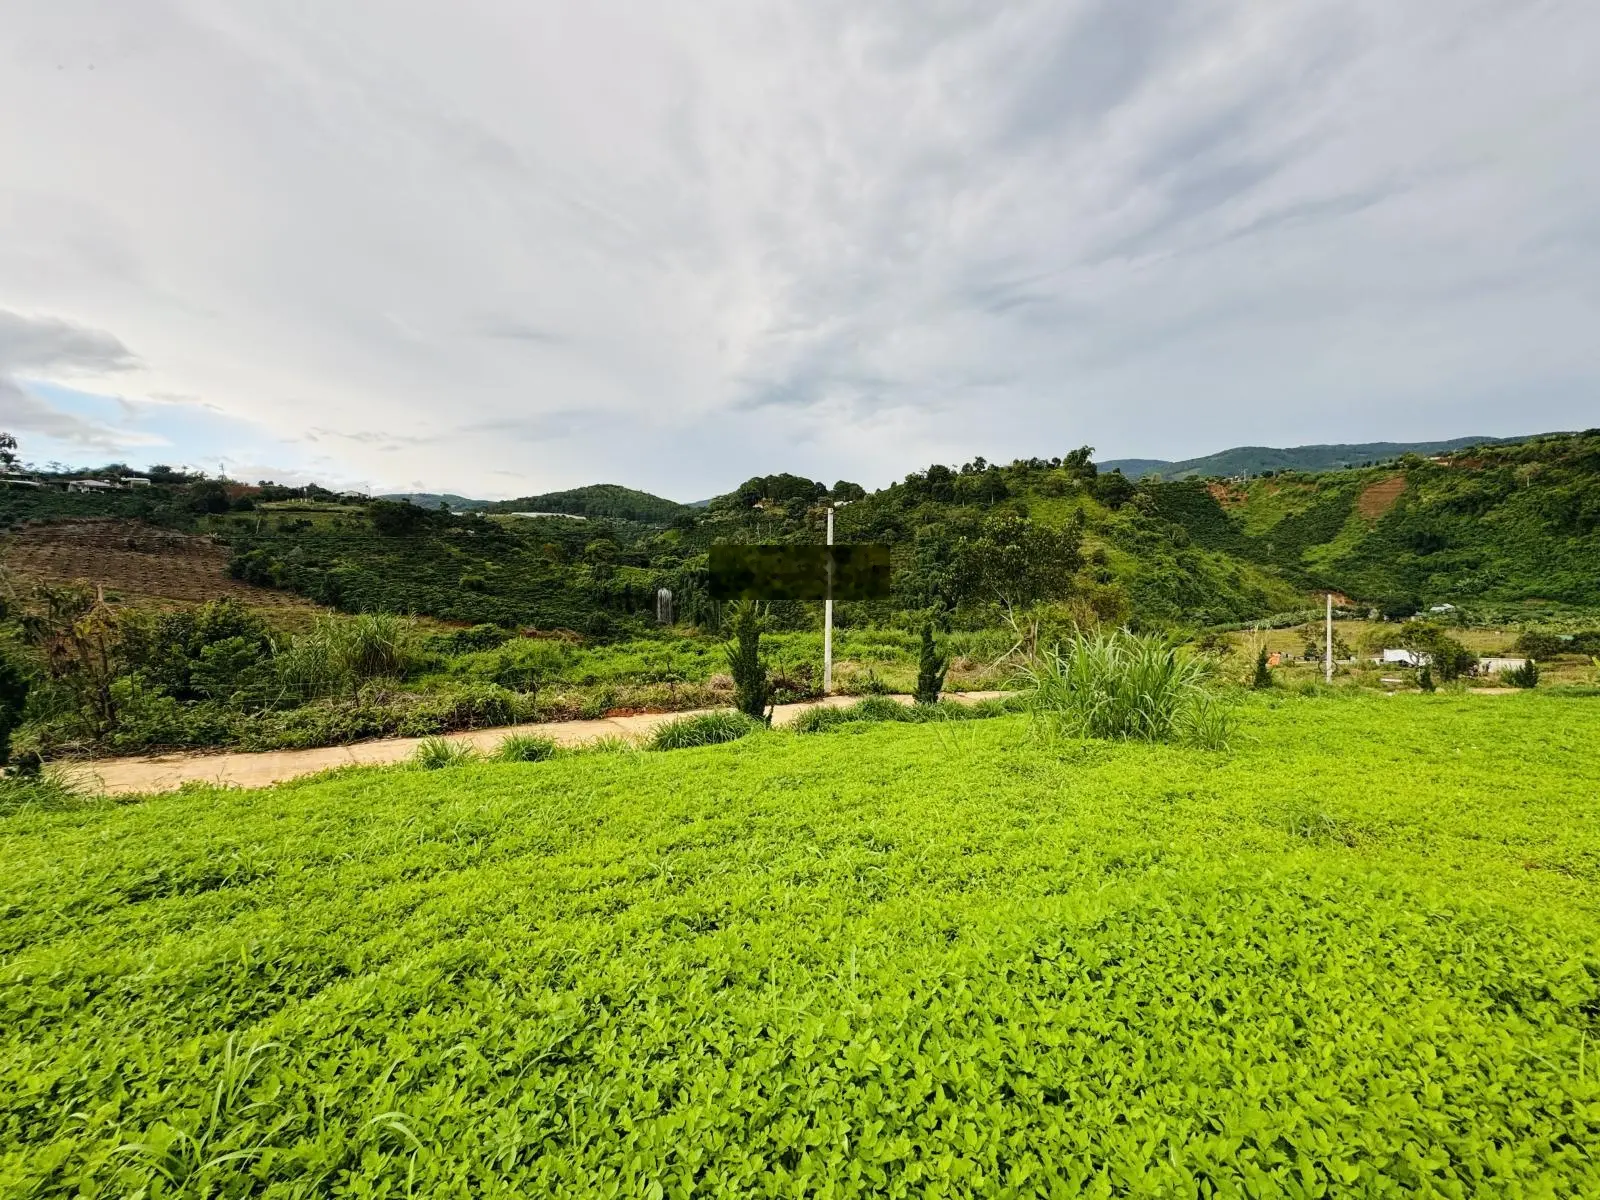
501, 246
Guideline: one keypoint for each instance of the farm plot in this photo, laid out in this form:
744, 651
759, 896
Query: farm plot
1354, 957
134, 560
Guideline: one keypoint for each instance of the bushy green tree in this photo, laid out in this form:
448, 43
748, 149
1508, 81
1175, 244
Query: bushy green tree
1114, 489
931, 668
1262, 678
209, 496
397, 519
1449, 658
1015, 562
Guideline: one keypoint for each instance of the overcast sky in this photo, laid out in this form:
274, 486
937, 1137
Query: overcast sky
501, 246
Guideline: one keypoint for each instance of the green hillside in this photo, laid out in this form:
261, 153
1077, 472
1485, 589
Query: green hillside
1257, 460
598, 500
1508, 522
563, 612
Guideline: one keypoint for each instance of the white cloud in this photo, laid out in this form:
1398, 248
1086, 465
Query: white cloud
672, 244
49, 345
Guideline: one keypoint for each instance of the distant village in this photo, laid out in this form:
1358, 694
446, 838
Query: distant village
119, 483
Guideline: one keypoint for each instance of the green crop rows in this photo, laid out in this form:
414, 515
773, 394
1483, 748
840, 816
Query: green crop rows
1355, 956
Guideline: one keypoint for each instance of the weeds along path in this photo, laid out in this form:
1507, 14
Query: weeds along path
166, 772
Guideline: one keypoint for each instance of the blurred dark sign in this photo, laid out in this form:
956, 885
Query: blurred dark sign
799, 572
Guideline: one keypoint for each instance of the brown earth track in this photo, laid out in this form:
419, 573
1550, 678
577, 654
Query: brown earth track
1380, 497
134, 560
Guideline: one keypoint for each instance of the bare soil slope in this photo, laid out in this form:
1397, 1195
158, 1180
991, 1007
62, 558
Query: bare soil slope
137, 561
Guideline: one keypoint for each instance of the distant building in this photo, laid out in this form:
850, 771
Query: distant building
136, 481
1405, 658
1493, 666
568, 516
90, 485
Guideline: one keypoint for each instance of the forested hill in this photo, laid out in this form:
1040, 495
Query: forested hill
437, 500
1495, 523
1486, 527
1257, 460
598, 500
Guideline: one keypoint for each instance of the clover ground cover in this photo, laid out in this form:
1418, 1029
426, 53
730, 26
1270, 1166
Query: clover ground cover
1354, 956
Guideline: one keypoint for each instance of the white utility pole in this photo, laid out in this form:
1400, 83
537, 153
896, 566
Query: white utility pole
827, 618
1328, 651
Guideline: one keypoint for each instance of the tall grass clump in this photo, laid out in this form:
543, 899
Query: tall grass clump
340, 653
436, 753
1124, 686
48, 789
524, 748
372, 645
703, 729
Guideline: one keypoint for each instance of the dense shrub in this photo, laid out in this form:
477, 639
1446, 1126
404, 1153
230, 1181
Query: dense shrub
1538, 644
1525, 676
215, 650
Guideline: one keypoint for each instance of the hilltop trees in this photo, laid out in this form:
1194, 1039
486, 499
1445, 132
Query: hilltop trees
781, 489
1080, 463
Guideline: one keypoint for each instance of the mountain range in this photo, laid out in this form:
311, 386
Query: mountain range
614, 500
1257, 460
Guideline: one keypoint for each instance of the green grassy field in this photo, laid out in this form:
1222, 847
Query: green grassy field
1354, 955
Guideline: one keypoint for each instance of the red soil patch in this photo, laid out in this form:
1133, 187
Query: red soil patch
1227, 495
133, 559
1380, 497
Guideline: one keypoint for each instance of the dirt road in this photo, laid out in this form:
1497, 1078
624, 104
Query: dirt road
165, 772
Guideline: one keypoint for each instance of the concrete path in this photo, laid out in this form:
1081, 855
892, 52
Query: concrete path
165, 772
